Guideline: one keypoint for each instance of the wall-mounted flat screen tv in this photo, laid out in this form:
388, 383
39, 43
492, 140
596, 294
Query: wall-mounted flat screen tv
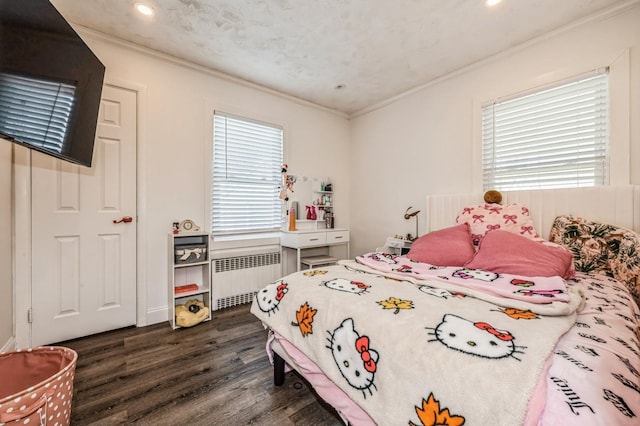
50, 82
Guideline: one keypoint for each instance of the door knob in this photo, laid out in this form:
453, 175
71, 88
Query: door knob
126, 219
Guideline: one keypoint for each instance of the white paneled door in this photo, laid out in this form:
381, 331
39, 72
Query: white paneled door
83, 262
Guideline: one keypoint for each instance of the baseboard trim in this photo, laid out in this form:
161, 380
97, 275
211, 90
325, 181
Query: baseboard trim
9, 346
157, 315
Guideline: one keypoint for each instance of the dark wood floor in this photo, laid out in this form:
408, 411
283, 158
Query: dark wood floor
216, 373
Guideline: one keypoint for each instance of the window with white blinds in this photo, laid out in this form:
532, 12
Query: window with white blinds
557, 137
35, 111
247, 165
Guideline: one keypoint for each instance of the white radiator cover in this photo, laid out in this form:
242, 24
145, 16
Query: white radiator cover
237, 275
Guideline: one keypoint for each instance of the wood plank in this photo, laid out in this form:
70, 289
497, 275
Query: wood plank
216, 373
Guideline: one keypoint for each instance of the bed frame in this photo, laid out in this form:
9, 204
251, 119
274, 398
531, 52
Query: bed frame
618, 205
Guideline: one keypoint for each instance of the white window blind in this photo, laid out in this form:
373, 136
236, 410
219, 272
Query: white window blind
247, 164
35, 111
555, 138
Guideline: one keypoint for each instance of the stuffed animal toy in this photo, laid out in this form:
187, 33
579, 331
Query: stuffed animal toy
191, 313
492, 197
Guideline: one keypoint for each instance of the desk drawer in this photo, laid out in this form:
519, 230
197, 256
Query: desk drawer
312, 239
334, 237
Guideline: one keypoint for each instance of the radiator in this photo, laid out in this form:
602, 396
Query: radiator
235, 279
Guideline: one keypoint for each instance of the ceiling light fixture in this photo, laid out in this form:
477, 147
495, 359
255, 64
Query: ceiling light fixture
144, 9
490, 3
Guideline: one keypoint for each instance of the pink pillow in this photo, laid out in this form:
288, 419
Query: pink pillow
489, 217
508, 253
445, 247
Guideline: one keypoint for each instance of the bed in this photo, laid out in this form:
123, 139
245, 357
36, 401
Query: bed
495, 327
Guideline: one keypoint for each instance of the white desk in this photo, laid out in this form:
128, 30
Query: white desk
312, 238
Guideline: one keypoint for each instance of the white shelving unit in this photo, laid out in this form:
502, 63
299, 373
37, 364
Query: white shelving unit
323, 202
189, 265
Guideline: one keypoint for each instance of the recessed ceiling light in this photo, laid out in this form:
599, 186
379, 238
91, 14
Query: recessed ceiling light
146, 10
490, 3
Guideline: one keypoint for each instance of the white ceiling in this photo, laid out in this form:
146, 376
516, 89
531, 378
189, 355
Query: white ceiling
305, 48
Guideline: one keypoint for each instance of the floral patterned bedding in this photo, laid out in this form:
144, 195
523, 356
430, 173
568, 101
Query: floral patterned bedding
600, 248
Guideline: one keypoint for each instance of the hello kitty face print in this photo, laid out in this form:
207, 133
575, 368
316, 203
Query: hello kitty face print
475, 338
355, 359
477, 274
349, 286
268, 299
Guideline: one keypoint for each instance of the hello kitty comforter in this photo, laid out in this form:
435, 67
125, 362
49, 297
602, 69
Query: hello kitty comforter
419, 350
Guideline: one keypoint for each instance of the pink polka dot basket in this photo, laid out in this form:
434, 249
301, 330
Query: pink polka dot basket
36, 386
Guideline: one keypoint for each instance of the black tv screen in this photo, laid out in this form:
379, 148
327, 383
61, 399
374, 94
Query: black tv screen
50, 82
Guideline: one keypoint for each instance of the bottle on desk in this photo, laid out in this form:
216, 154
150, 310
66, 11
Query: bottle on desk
292, 219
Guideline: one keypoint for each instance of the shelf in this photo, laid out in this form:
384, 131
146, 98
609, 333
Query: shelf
323, 200
190, 293
190, 234
186, 265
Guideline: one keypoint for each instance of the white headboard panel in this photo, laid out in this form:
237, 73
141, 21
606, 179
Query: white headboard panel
617, 205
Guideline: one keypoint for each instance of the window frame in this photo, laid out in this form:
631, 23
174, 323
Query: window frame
518, 133
244, 235
500, 82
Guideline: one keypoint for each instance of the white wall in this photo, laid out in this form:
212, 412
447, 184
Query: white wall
175, 142
427, 142
175, 109
6, 249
